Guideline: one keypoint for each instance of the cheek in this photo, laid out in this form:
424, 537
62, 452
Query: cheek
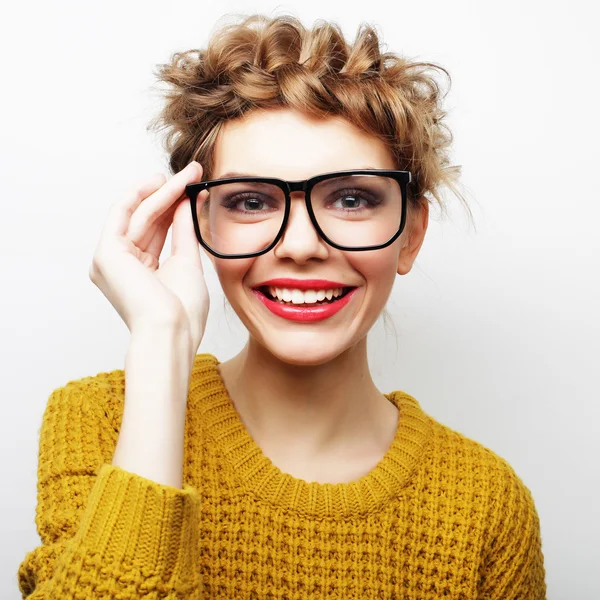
231, 274
378, 268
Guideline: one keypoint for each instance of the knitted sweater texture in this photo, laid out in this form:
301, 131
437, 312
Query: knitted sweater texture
440, 515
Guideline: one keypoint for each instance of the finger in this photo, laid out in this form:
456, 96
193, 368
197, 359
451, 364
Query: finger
149, 260
148, 243
156, 244
161, 200
184, 241
120, 211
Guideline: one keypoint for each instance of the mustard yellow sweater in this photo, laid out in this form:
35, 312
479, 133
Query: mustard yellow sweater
440, 516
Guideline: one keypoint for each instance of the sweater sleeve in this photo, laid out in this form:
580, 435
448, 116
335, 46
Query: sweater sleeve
513, 568
105, 532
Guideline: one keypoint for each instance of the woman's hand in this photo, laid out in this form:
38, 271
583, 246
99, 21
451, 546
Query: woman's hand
125, 266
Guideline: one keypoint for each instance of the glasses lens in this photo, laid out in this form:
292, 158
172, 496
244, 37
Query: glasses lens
358, 210
241, 217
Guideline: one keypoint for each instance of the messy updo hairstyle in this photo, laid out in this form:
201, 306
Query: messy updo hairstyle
265, 62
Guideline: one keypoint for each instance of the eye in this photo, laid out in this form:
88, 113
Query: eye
353, 200
247, 202
349, 201
250, 204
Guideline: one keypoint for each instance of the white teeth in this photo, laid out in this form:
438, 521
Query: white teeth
296, 296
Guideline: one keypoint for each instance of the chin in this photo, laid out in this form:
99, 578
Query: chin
303, 360
304, 350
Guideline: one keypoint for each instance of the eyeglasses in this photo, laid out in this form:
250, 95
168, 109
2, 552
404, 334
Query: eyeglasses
355, 210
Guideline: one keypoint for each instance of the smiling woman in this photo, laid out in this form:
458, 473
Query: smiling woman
301, 231
304, 165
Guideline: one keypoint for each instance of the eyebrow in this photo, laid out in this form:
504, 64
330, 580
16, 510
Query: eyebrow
238, 174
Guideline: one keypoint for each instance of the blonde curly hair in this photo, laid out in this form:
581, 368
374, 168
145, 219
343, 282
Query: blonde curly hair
268, 62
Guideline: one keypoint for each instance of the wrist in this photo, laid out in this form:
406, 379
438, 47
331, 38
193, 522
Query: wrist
159, 361
172, 340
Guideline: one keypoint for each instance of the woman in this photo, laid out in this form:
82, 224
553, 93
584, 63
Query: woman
304, 166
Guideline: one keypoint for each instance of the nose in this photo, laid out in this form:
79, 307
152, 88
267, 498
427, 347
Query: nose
300, 240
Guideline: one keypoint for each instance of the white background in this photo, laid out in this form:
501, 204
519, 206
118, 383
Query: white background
496, 330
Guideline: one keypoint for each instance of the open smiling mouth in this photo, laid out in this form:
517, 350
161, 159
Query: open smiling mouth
304, 305
307, 297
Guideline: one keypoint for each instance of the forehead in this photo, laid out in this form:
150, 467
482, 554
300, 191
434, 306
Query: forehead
288, 144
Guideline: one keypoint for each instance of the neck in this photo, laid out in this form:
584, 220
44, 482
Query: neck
310, 411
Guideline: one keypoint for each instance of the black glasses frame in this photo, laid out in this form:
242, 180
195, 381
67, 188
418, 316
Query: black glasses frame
402, 177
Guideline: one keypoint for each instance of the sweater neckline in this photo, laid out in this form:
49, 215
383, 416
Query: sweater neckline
260, 477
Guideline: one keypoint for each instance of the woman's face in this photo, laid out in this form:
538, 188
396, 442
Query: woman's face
286, 144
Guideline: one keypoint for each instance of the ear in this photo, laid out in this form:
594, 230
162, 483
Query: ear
417, 227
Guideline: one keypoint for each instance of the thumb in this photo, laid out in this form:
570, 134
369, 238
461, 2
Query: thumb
184, 242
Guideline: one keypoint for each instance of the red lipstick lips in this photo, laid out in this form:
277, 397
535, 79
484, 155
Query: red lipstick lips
304, 312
